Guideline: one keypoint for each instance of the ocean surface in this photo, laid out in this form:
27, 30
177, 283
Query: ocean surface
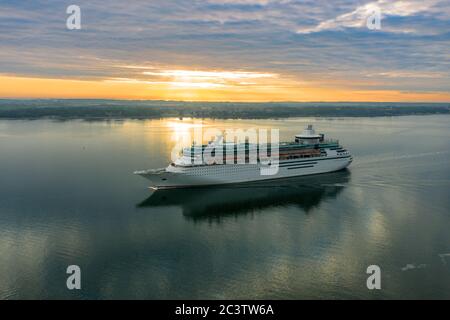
68, 196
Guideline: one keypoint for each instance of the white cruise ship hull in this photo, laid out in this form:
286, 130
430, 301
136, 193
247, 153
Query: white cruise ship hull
205, 175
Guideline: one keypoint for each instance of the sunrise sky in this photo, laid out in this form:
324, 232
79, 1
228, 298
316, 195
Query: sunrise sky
230, 50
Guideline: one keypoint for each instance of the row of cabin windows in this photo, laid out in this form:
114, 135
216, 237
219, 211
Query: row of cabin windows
247, 154
227, 170
229, 161
213, 152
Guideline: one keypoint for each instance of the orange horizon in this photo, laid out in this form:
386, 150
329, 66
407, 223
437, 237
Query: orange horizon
17, 87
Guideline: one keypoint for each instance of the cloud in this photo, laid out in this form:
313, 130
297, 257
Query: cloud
197, 78
408, 74
241, 2
359, 16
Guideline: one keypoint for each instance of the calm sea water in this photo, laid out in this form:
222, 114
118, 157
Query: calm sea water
68, 196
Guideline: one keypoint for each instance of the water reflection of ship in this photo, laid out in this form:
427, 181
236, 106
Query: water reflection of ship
206, 203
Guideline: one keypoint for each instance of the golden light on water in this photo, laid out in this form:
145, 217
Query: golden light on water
183, 133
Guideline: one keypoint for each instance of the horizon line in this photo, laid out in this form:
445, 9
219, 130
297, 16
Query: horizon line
206, 101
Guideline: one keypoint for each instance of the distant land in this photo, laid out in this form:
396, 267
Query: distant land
125, 109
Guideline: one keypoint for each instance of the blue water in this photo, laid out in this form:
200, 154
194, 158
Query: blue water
68, 196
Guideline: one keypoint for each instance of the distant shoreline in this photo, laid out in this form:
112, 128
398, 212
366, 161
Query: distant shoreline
133, 109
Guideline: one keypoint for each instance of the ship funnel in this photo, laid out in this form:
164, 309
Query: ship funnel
308, 136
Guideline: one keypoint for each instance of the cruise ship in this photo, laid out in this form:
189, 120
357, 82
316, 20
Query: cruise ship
309, 153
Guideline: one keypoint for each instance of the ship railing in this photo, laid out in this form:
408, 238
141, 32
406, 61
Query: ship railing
151, 171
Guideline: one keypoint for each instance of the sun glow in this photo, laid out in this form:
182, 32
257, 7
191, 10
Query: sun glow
210, 74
